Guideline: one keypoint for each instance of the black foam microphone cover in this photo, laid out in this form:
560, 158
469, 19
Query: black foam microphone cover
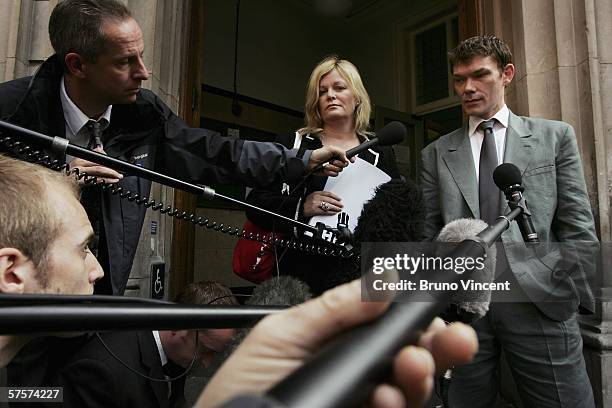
393, 133
506, 175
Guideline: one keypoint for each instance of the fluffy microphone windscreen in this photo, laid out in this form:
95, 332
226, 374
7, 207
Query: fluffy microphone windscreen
506, 175
280, 291
472, 304
277, 291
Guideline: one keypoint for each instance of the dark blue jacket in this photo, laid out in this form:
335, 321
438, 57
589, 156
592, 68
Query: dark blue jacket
149, 134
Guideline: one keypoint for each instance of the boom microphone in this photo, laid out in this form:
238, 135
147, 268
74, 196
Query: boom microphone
393, 133
508, 179
469, 306
61, 146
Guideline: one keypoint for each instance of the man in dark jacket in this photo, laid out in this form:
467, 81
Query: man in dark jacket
142, 363
89, 92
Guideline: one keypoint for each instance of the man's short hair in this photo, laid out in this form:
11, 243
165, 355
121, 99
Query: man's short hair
76, 26
206, 293
28, 221
481, 46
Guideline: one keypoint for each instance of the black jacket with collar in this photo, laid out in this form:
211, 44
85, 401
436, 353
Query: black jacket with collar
147, 134
89, 375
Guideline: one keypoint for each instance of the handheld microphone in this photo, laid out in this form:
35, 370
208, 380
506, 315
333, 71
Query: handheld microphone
393, 133
508, 179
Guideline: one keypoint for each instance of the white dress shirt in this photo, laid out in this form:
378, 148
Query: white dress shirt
499, 132
160, 348
76, 120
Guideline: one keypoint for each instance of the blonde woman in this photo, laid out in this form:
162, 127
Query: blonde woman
337, 112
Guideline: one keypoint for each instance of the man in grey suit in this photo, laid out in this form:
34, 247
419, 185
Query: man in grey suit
540, 339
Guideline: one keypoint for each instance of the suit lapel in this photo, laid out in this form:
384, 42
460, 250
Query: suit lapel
519, 146
458, 159
152, 362
370, 156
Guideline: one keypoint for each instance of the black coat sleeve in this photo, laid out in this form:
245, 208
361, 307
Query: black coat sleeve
11, 93
271, 198
203, 156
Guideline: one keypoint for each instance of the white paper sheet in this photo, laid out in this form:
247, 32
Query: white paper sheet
354, 185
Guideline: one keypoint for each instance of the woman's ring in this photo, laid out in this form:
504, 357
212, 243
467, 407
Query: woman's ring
324, 206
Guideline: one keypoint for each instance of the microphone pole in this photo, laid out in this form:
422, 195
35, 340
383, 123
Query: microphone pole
509, 180
517, 200
128, 316
62, 146
346, 371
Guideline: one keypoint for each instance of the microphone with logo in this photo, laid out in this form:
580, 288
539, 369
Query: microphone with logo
508, 179
469, 305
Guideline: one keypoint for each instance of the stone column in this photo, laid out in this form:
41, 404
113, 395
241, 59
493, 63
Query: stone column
9, 24
162, 23
24, 41
597, 331
563, 56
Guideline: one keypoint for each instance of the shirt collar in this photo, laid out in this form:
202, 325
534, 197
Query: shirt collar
502, 116
75, 118
160, 348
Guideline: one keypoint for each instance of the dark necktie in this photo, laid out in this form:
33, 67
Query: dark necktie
91, 196
95, 134
488, 193
176, 395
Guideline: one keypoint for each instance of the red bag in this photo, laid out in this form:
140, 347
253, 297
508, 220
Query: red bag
252, 260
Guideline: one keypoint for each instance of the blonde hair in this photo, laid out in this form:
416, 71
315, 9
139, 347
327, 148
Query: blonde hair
312, 117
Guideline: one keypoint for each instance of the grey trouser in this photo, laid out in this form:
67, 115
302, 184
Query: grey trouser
545, 357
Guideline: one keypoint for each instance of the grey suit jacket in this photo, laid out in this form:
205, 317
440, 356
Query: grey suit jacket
547, 155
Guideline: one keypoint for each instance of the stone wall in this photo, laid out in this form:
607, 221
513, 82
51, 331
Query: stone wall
563, 72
